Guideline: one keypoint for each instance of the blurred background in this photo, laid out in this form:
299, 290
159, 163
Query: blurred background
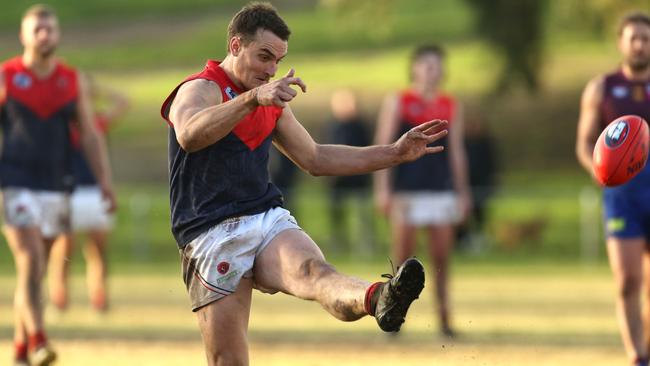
532, 282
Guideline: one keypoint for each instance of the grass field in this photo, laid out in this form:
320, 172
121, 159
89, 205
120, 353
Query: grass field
545, 314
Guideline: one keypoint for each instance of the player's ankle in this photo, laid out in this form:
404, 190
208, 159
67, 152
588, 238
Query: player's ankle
37, 340
20, 351
370, 300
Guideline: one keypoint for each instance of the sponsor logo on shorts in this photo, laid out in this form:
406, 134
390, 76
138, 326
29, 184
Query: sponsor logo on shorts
228, 277
223, 267
615, 224
616, 134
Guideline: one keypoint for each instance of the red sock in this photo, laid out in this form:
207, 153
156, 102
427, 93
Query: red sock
20, 350
36, 340
370, 300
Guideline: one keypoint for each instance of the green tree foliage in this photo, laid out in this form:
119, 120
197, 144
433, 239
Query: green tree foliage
514, 28
372, 17
597, 17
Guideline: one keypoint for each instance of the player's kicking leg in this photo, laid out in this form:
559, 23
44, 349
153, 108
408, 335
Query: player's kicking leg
293, 263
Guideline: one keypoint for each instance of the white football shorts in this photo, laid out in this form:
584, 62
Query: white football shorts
47, 210
214, 263
89, 210
423, 208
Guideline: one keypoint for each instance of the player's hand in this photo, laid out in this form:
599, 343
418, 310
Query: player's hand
109, 197
280, 92
413, 144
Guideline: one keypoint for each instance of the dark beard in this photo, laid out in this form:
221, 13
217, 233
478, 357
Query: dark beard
639, 66
47, 52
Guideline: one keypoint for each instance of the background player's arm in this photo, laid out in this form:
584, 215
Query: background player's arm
200, 118
458, 161
386, 130
2, 88
296, 143
116, 103
589, 123
93, 144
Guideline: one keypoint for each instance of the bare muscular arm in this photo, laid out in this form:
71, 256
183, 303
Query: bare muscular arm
295, 142
2, 88
200, 118
93, 144
458, 161
589, 123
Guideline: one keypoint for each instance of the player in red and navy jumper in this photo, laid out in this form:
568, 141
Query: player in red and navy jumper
433, 192
626, 207
88, 215
39, 98
227, 218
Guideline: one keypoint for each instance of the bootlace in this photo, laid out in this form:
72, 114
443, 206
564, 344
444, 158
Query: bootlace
392, 268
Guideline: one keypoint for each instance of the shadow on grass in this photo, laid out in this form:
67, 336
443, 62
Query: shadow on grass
340, 338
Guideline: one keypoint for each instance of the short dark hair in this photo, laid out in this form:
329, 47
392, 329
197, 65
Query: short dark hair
429, 49
254, 16
636, 17
39, 10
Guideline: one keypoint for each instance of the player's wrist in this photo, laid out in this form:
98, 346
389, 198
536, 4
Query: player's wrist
395, 154
252, 97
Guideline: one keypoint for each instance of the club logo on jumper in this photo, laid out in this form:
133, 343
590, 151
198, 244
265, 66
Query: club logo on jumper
22, 80
619, 92
231, 93
223, 267
616, 134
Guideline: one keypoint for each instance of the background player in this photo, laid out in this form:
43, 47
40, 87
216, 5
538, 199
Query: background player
88, 210
432, 192
227, 217
627, 207
40, 97
348, 127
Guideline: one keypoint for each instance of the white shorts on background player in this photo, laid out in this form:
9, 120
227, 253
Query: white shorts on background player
89, 210
47, 210
214, 263
422, 208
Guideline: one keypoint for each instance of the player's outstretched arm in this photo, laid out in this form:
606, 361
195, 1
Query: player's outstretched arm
589, 122
295, 142
93, 144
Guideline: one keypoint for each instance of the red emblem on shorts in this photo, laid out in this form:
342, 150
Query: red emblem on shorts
223, 267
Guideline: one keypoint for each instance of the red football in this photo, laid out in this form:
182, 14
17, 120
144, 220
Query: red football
621, 151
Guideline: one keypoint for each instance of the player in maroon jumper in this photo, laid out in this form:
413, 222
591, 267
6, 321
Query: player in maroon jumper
433, 192
39, 98
227, 218
626, 207
87, 211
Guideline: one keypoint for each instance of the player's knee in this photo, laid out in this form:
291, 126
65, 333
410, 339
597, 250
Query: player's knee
223, 357
313, 269
630, 286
